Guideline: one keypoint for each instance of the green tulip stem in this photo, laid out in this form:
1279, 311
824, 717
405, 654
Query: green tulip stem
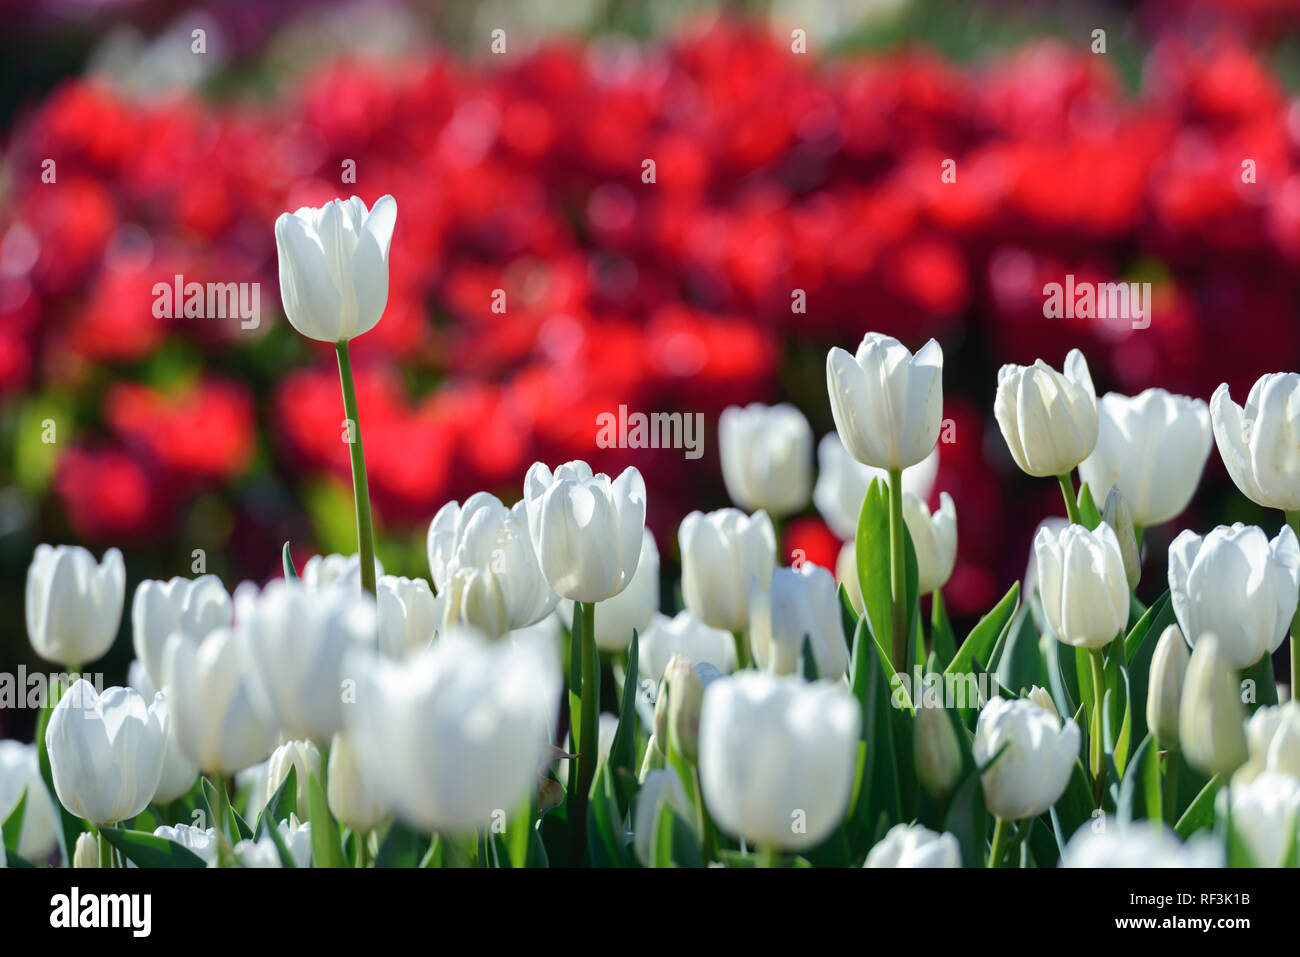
1071, 504
360, 487
1293, 519
742, 650
588, 731
221, 811
768, 856
1098, 704
999, 846
363, 848
105, 850
708, 844
1169, 800
897, 570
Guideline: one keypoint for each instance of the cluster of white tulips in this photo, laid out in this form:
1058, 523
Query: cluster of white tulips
341, 716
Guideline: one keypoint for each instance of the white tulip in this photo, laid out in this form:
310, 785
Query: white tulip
1082, 583
351, 796
659, 788
198, 841
106, 752
1031, 774
86, 853
1237, 584
297, 640
1265, 814
334, 266
1152, 447
846, 573
886, 402
585, 528
19, 770
934, 537
1211, 716
1165, 686
74, 605
634, 607
179, 772
766, 456
721, 552
802, 603
1272, 741
842, 483
1108, 842
485, 567
304, 758
914, 845
684, 635
322, 571
263, 852
1048, 418
1260, 443
194, 607
458, 731
777, 757
211, 702
407, 614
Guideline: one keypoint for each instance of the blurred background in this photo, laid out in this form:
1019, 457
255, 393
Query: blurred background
522, 171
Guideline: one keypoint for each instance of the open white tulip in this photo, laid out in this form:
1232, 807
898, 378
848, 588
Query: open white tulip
1237, 584
914, 845
934, 537
721, 552
334, 266
585, 528
106, 752
766, 457
842, 483
194, 607
1031, 774
19, 770
1048, 418
634, 607
1260, 442
74, 605
1108, 842
684, 635
1266, 815
1082, 583
777, 757
1153, 447
322, 571
800, 604
407, 614
1272, 741
199, 841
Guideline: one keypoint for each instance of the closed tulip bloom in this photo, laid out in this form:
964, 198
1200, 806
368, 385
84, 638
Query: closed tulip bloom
482, 559
106, 752
1048, 418
1237, 584
1117, 515
634, 607
766, 457
914, 845
19, 771
936, 753
210, 697
87, 851
1211, 715
352, 798
1165, 688
322, 571
684, 635
934, 537
777, 757
1272, 741
1260, 442
193, 607
458, 731
886, 402
846, 573
659, 788
585, 528
842, 483
1265, 814
1109, 842
1152, 447
1040, 753
296, 642
802, 604
179, 772
407, 614
74, 605
1040, 696
304, 758
1082, 583
721, 552
334, 266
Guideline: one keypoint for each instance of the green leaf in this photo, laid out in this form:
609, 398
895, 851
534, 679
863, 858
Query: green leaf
401, 847
848, 617
13, 825
326, 849
1139, 647
943, 640
876, 788
1139, 792
606, 840
871, 551
1020, 666
672, 842
968, 820
1089, 514
1200, 813
1261, 673
984, 636
270, 827
150, 850
285, 799
809, 660
287, 561
575, 702
622, 751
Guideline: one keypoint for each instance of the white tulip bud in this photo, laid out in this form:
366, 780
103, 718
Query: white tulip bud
685, 697
1165, 687
87, 852
1116, 514
73, 604
766, 456
1211, 717
352, 799
304, 758
935, 752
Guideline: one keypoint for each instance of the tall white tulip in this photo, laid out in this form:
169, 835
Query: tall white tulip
210, 702
1048, 418
842, 483
334, 266
458, 731
887, 403
1266, 815
19, 771
1260, 442
1082, 584
777, 757
1153, 447
914, 845
801, 603
1031, 774
194, 607
634, 607
106, 752
585, 528
934, 537
721, 552
1165, 686
1211, 716
1237, 584
485, 567
407, 614
74, 605
766, 457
